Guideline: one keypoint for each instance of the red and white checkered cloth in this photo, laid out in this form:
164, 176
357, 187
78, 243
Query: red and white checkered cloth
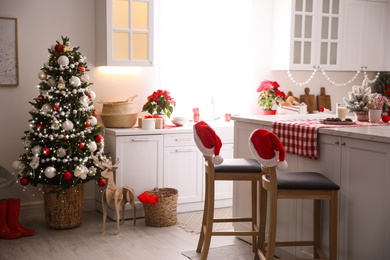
300, 136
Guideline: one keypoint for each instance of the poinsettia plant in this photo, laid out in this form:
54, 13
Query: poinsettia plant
160, 102
270, 94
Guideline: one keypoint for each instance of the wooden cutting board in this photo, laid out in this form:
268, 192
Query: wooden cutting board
308, 99
323, 100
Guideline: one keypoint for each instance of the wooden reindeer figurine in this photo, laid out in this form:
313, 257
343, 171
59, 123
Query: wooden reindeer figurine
114, 195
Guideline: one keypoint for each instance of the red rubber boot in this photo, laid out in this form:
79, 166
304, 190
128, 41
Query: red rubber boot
13, 210
5, 231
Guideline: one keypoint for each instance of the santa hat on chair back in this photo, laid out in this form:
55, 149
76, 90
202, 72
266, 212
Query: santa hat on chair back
267, 149
208, 141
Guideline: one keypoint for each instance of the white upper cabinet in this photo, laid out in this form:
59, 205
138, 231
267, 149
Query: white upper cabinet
365, 30
124, 32
306, 34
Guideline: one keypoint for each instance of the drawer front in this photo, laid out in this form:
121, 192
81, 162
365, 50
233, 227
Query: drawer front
178, 139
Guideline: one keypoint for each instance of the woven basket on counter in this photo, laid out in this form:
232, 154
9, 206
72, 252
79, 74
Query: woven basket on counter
164, 213
66, 209
119, 114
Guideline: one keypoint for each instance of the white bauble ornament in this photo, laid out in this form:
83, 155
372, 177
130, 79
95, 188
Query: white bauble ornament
84, 101
81, 172
67, 125
16, 165
42, 75
36, 150
84, 78
92, 146
92, 171
63, 60
26, 143
46, 108
50, 172
93, 120
92, 94
51, 82
61, 152
74, 81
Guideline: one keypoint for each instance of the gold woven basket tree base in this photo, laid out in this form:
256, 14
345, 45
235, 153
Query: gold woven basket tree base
65, 210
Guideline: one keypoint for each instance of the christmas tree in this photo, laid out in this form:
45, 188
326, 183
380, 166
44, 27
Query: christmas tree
63, 132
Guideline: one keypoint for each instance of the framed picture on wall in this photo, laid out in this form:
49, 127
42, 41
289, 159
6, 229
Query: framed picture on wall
9, 74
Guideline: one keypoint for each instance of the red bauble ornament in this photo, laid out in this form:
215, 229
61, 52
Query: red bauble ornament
81, 69
321, 109
102, 182
87, 124
39, 126
65, 138
94, 114
58, 48
81, 145
67, 176
98, 138
40, 97
24, 181
46, 151
385, 118
56, 106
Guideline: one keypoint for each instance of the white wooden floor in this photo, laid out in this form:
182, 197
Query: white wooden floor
86, 242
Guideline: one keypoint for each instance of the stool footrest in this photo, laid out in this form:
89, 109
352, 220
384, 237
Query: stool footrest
232, 220
235, 233
293, 243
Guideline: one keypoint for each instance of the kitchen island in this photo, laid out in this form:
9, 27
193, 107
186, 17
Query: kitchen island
358, 159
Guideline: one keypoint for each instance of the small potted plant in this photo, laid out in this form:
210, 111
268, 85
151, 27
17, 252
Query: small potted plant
160, 102
358, 100
270, 96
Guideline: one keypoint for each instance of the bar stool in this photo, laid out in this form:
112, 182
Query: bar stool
293, 185
217, 169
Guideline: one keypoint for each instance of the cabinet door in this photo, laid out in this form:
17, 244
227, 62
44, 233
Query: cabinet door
364, 200
125, 36
183, 170
364, 35
141, 162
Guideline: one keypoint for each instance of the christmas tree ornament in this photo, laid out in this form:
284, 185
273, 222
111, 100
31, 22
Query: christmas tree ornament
50, 172
42, 75
84, 78
92, 146
93, 120
16, 165
92, 171
34, 163
67, 47
63, 60
67, 125
46, 151
74, 81
81, 69
81, 145
36, 150
46, 108
51, 82
92, 95
385, 118
102, 182
61, 152
56, 106
61, 83
39, 127
81, 172
58, 48
24, 181
98, 138
84, 101
55, 125
68, 175
87, 124
40, 97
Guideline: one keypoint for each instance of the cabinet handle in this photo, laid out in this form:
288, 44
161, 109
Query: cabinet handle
140, 139
183, 139
183, 150
343, 143
336, 142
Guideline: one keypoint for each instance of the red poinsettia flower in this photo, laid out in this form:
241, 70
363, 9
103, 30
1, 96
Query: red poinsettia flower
270, 94
159, 102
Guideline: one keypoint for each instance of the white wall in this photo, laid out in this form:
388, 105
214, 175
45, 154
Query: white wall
203, 48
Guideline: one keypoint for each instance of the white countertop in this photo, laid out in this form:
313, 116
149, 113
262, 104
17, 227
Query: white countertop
370, 133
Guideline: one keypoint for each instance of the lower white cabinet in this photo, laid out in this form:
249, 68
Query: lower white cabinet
361, 169
164, 159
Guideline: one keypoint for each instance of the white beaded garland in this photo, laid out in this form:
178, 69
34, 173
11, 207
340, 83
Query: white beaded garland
330, 80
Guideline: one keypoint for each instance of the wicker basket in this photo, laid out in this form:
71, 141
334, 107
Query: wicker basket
119, 114
66, 210
164, 213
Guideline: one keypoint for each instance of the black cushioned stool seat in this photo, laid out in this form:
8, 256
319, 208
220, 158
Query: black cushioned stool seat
239, 165
304, 181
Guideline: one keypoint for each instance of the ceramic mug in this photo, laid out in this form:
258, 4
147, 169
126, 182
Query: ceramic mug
148, 123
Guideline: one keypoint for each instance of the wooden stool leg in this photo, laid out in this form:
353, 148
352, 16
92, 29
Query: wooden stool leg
254, 213
204, 219
210, 219
316, 227
262, 223
333, 222
272, 227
